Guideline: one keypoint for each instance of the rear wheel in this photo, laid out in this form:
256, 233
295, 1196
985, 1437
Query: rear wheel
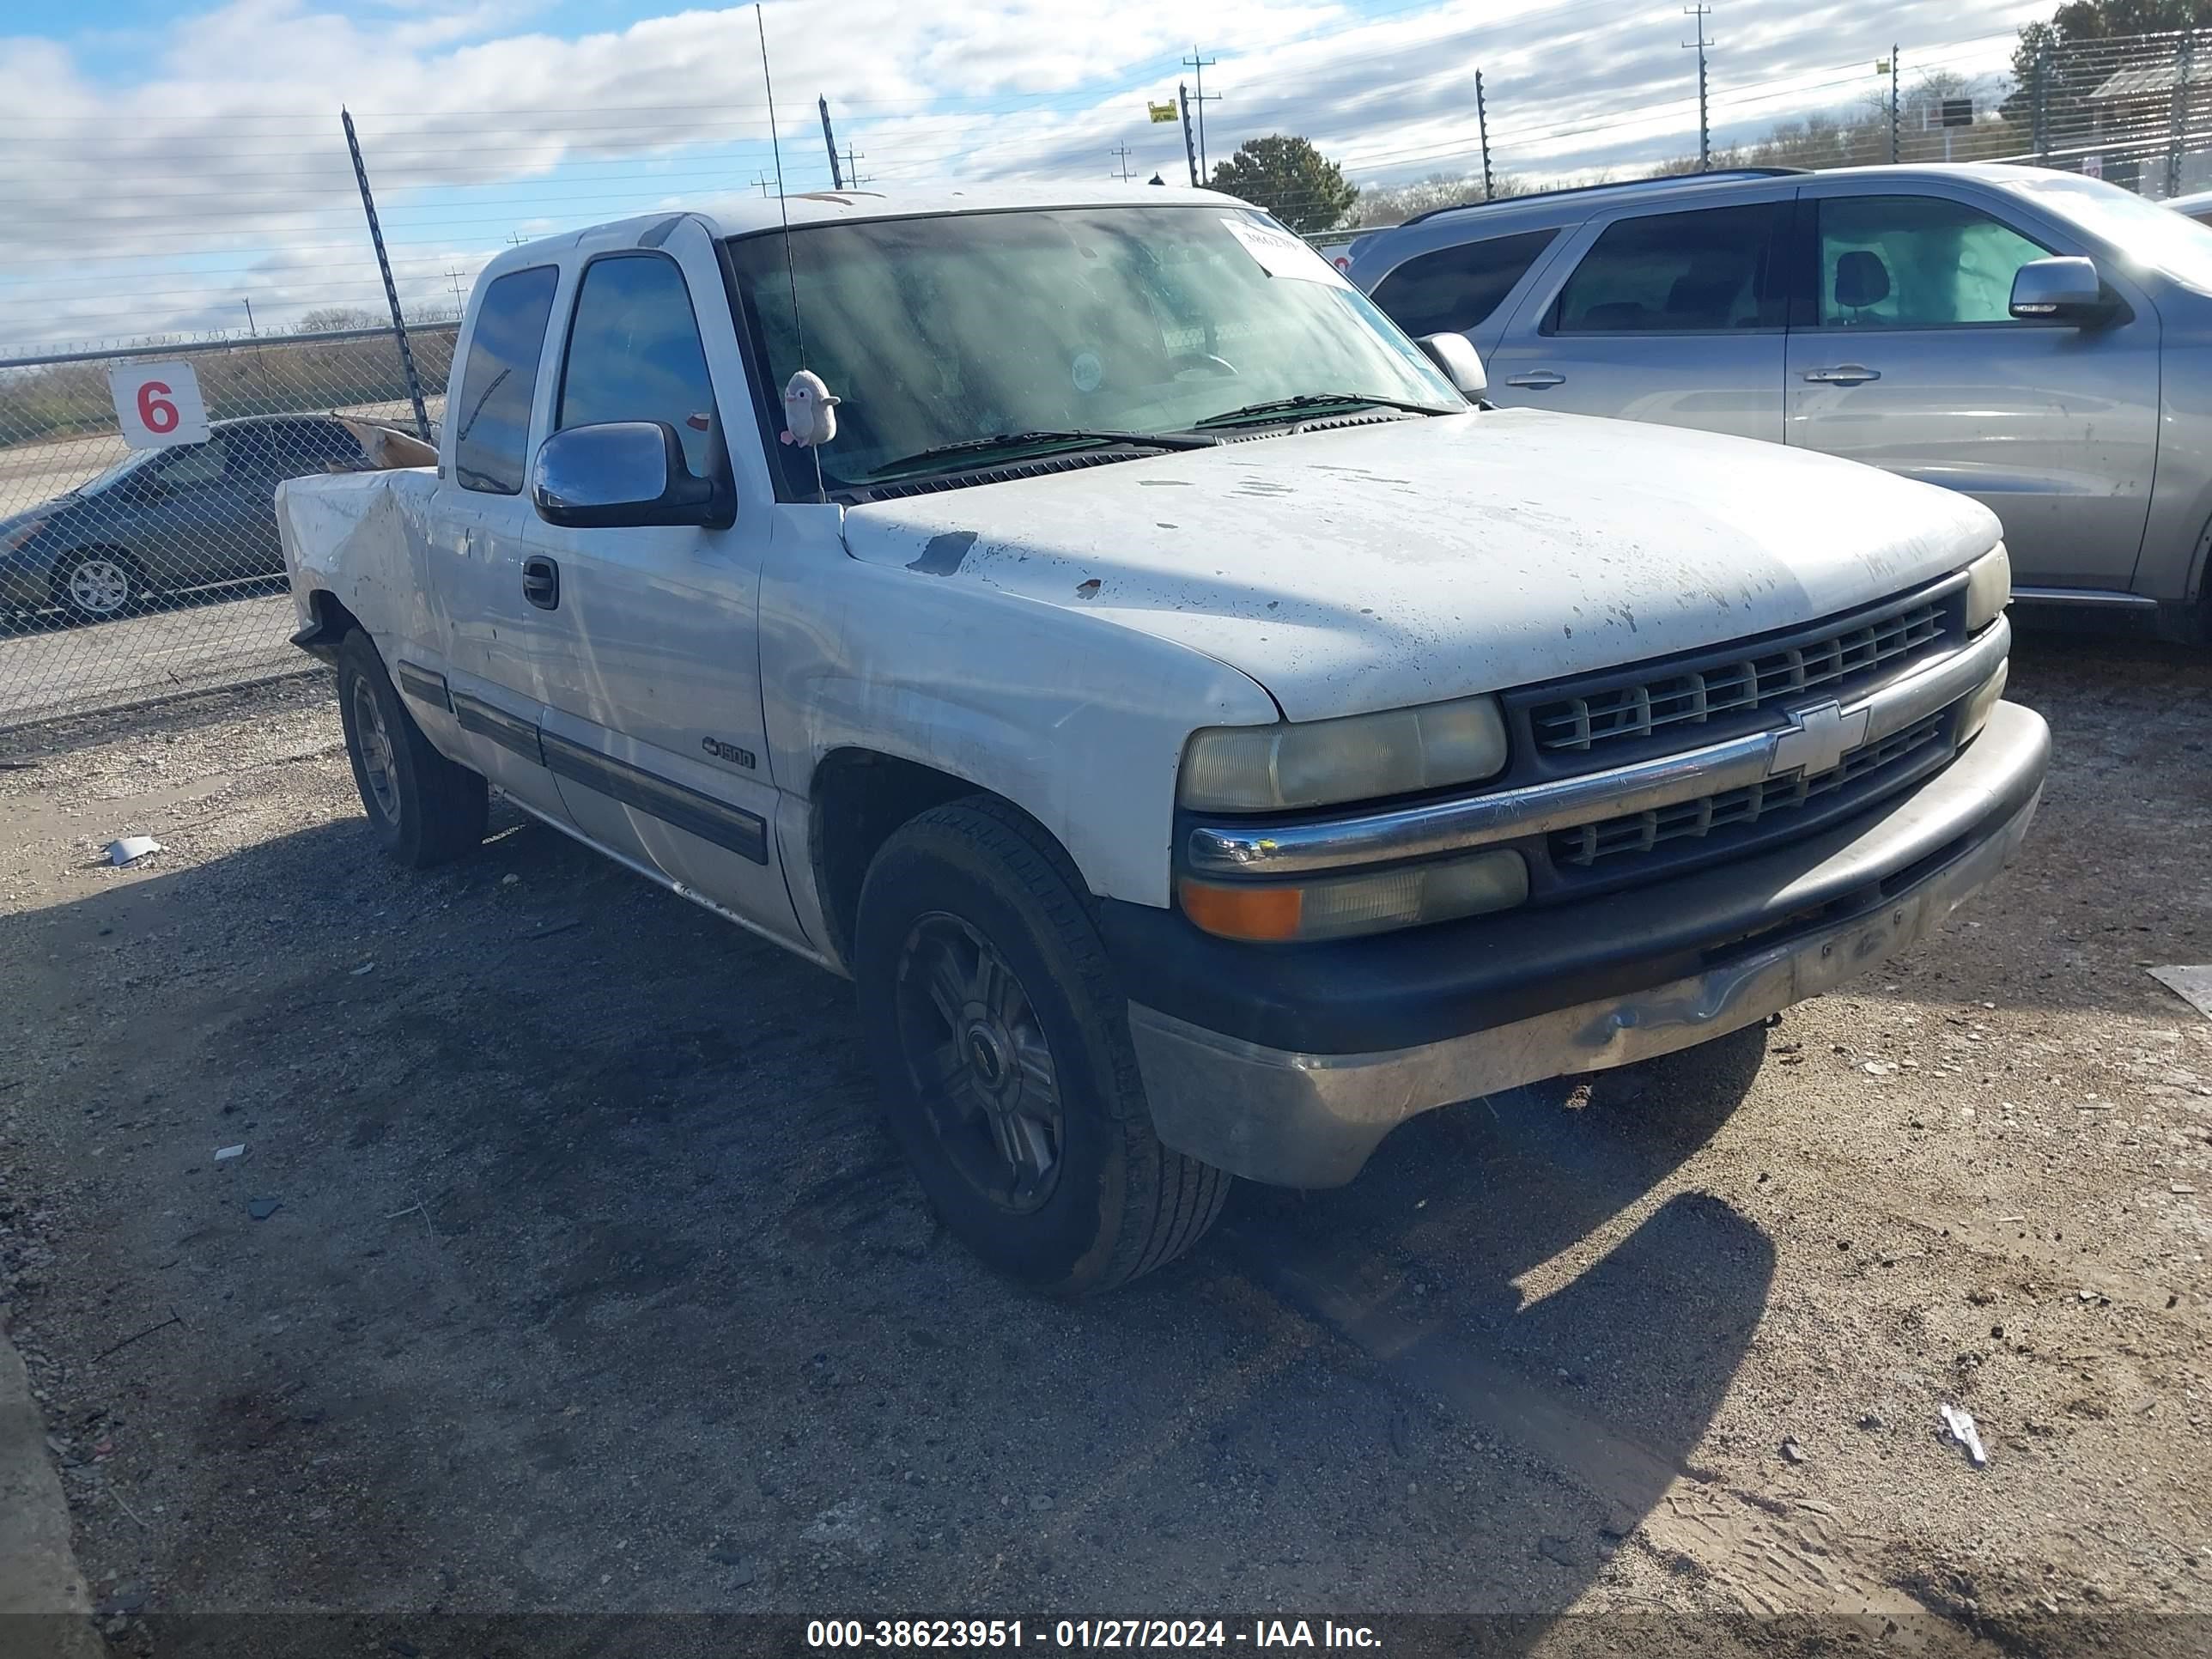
1001, 1047
98, 584
425, 809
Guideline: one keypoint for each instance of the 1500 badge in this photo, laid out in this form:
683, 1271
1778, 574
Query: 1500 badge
728, 751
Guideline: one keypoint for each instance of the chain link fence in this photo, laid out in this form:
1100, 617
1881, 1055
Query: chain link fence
126, 572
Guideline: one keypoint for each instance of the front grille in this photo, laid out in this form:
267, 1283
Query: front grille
1641, 832
1694, 695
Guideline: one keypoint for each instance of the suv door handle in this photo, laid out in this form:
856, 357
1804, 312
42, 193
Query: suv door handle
1843, 374
1539, 379
541, 582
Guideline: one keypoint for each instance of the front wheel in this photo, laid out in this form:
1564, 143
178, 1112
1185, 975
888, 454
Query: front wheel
1001, 1048
425, 809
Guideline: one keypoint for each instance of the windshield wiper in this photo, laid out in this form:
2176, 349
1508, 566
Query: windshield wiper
1074, 438
1315, 400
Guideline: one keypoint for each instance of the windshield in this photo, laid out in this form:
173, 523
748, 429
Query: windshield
1135, 320
2146, 233
116, 474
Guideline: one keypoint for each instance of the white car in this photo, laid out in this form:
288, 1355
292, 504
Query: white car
1207, 738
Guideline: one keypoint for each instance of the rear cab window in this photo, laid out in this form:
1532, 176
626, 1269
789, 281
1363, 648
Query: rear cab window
1455, 289
499, 382
1707, 271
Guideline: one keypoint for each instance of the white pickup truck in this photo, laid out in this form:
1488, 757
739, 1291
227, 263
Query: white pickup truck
1207, 734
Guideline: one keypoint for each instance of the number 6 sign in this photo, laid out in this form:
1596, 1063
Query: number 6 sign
158, 405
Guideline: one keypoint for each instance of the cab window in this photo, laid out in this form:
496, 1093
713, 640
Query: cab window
635, 354
499, 381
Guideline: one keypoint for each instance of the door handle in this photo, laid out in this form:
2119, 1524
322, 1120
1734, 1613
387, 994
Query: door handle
1539, 379
541, 582
1843, 374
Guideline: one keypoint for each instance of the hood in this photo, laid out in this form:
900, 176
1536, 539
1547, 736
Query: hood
1407, 562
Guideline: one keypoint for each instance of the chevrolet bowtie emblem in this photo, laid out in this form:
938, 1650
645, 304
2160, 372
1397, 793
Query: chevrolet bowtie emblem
1817, 739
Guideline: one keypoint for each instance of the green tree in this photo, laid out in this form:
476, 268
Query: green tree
2073, 76
1290, 178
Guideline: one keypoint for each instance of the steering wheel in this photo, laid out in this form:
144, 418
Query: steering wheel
1201, 365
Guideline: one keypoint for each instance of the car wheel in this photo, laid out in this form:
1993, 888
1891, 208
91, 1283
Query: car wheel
425, 809
1000, 1043
99, 585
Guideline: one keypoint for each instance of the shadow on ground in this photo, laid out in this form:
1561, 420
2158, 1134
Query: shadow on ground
592, 1286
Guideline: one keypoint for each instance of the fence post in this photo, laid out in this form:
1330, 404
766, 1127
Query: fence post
1482, 127
391, 289
2178, 124
2041, 104
1894, 119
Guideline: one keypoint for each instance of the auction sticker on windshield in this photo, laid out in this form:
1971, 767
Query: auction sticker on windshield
1281, 254
158, 405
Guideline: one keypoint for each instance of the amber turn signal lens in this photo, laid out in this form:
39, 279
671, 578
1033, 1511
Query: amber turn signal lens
1255, 913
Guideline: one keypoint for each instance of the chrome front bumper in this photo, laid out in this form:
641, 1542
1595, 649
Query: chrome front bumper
1310, 1119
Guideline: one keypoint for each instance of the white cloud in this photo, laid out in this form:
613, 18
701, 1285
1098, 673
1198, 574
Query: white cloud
155, 202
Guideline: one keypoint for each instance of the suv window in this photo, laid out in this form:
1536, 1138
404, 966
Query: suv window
1456, 288
1714, 268
501, 380
193, 465
1916, 262
634, 354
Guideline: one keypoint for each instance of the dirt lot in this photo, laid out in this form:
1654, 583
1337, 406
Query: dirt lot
592, 1284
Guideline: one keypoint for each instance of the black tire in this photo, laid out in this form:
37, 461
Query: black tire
1113, 1203
425, 809
100, 584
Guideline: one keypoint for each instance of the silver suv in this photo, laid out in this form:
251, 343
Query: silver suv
2035, 339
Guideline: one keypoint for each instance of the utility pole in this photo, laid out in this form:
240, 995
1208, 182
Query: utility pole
829, 139
1198, 66
853, 159
1121, 151
391, 289
1482, 126
1190, 144
1896, 119
250, 329
762, 182
515, 238
1704, 127
453, 275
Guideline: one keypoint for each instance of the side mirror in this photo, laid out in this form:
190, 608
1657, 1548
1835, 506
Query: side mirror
1462, 363
2061, 290
622, 474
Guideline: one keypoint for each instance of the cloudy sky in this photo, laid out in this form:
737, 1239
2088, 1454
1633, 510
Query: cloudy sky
164, 163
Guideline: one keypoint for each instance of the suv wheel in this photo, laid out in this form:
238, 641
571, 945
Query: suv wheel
425, 809
1001, 1047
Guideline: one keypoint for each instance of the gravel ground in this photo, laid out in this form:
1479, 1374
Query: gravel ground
591, 1284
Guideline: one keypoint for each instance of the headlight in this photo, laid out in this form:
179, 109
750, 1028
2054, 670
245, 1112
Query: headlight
1270, 768
1340, 907
1989, 588
16, 535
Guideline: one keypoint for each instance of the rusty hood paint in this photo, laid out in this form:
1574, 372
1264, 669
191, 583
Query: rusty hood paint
1378, 566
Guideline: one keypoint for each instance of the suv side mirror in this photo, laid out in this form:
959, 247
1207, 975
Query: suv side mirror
622, 474
1462, 363
2062, 290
